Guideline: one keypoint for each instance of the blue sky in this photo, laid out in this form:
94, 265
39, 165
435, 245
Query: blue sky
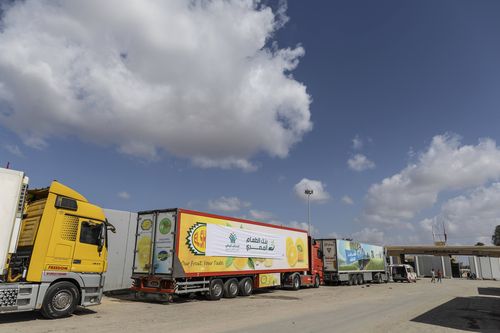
392, 74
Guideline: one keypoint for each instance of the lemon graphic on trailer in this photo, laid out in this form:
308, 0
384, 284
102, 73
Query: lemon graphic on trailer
291, 252
240, 263
144, 251
300, 249
146, 224
268, 262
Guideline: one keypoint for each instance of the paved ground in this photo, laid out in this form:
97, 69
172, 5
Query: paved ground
472, 306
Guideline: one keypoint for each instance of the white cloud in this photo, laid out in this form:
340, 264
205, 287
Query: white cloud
347, 200
261, 215
225, 163
228, 204
201, 80
369, 235
123, 195
303, 226
357, 143
360, 162
446, 165
468, 218
13, 149
319, 190
334, 235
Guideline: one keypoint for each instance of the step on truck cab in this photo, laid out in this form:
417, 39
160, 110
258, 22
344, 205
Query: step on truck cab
351, 262
52, 248
181, 252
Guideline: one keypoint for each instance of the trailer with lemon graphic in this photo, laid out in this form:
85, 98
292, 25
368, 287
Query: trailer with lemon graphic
181, 251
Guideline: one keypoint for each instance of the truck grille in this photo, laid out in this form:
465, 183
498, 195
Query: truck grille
8, 297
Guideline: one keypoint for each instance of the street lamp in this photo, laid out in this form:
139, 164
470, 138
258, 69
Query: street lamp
309, 192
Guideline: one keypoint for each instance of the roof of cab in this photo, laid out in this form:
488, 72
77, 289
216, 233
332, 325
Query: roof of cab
65, 191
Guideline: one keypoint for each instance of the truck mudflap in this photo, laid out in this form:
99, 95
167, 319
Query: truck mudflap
16, 297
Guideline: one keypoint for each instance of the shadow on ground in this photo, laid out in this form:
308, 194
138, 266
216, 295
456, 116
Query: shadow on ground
35, 315
129, 296
473, 314
490, 291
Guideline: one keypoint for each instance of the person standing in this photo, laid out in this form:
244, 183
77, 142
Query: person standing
433, 276
440, 276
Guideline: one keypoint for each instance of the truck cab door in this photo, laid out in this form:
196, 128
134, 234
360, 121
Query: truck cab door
90, 251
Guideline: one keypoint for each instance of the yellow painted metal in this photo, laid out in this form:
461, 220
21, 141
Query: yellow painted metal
30, 223
57, 245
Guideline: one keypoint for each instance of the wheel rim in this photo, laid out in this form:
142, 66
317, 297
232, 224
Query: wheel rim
62, 300
233, 288
217, 288
297, 283
317, 281
248, 287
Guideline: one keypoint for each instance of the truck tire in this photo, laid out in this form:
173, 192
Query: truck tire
231, 288
216, 290
317, 281
360, 280
353, 280
296, 282
245, 286
60, 300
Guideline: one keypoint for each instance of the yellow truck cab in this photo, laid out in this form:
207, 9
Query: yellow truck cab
59, 258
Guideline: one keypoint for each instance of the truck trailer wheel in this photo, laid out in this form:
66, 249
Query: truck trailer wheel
245, 286
60, 301
231, 288
317, 281
216, 290
352, 280
361, 280
296, 282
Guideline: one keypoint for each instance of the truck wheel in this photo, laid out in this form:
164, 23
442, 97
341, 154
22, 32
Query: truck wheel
296, 282
60, 300
354, 280
245, 287
360, 280
216, 290
231, 288
317, 281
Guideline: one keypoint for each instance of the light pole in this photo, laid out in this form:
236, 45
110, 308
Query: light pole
309, 192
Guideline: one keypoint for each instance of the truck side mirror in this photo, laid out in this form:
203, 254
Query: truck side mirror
102, 238
100, 246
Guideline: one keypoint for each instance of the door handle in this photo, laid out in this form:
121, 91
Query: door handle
77, 261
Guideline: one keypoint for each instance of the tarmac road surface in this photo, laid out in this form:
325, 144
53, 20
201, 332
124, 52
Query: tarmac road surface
453, 306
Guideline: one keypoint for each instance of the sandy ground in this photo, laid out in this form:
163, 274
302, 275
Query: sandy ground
454, 305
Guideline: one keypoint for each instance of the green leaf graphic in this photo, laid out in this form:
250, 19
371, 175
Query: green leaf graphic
229, 261
250, 263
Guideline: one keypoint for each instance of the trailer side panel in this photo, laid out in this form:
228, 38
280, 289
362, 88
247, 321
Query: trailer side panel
209, 245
